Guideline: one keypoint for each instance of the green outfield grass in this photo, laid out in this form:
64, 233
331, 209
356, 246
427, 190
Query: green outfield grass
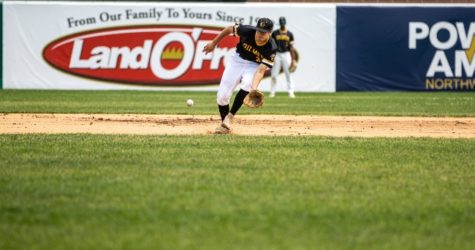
158, 102
235, 192
82, 191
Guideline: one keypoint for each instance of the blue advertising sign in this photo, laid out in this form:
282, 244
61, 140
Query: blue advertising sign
405, 48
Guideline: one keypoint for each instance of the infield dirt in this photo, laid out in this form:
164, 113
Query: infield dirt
278, 125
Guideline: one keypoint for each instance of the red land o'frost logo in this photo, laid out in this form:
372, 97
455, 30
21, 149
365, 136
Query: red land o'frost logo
151, 55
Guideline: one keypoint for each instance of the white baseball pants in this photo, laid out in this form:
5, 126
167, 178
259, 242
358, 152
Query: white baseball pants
237, 71
282, 60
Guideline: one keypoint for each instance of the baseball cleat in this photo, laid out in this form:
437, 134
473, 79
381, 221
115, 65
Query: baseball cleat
271, 95
222, 130
227, 122
291, 95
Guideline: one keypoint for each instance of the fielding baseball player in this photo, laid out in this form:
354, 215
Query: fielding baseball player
284, 40
255, 53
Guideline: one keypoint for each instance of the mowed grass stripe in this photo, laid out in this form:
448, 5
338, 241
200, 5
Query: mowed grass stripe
235, 192
174, 102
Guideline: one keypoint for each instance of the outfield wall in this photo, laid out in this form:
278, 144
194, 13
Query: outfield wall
101, 45
78, 48
408, 48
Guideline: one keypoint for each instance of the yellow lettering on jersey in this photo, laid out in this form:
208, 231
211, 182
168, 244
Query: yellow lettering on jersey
259, 56
282, 37
256, 52
247, 46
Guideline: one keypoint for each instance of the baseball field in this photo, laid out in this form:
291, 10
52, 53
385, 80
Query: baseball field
141, 170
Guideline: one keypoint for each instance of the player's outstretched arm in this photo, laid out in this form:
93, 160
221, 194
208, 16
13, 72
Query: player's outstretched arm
225, 32
261, 70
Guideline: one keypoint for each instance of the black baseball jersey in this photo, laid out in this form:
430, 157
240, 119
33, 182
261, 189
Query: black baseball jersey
283, 39
249, 50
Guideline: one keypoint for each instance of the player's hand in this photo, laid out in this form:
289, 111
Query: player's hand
293, 66
254, 99
209, 47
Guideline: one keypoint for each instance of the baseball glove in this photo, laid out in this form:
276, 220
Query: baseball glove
293, 67
254, 99
295, 60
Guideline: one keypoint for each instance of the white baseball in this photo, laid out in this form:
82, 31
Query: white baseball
189, 102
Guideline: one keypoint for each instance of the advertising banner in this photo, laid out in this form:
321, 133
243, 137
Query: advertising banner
91, 45
405, 48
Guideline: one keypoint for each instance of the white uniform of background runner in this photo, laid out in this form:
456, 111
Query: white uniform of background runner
283, 59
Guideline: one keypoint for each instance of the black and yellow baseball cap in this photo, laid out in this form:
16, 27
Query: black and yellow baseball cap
264, 25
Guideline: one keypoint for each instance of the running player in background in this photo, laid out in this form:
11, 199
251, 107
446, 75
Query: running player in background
255, 54
284, 57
